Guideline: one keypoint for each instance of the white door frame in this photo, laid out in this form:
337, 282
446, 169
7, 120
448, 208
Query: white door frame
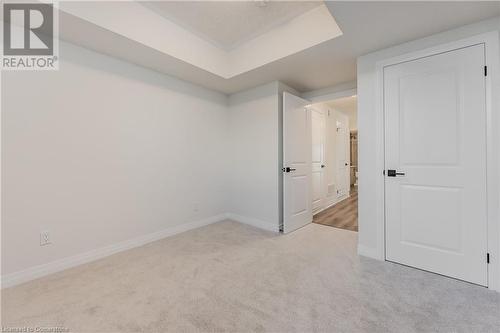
349, 92
492, 55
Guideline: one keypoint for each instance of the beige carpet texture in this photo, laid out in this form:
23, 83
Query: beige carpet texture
230, 277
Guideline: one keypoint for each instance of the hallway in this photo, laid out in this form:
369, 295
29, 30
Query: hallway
343, 215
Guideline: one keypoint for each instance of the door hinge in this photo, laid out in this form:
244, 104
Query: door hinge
485, 70
487, 258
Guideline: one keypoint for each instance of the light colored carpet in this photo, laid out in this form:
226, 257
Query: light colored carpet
229, 277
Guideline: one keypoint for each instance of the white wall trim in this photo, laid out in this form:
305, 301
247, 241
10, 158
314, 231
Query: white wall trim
274, 227
332, 203
491, 42
334, 96
369, 252
35, 272
330, 93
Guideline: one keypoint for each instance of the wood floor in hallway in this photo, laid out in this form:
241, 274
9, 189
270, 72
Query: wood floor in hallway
343, 215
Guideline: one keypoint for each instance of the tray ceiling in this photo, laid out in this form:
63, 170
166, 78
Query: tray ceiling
133, 32
229, 24
301, 26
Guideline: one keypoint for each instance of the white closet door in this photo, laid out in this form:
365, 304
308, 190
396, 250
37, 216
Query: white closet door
436, 213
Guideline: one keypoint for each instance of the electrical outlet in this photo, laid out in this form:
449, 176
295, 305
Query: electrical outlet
44, 238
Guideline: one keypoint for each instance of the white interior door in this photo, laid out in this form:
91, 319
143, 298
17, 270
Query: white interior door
343, 155
435, 134
318, 124
297, 202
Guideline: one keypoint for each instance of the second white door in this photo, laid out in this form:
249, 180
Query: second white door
342, 153
318, 123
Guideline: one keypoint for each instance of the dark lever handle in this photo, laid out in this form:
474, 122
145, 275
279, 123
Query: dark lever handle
394, 173
288, 169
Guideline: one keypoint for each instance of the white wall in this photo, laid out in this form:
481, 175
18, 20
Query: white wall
256, 152
351, 114
348, 106
255, 159
370, 125
102, 151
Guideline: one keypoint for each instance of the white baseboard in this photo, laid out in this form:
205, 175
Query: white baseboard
32, 273
326, 207
332, 203
254, 222
369, 252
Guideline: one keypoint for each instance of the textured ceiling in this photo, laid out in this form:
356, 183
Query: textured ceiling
228, 24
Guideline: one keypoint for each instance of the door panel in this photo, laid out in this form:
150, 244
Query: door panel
299, 196
416, 224
424, 95
435, 120
343, 155
297, 153
318, 159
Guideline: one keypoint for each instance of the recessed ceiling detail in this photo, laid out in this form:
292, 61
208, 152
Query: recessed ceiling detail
224, 38
133, 32
229, 24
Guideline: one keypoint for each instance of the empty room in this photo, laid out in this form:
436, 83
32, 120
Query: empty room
250, 166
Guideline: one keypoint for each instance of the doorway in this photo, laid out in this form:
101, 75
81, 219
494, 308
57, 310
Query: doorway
420, 121
334, 163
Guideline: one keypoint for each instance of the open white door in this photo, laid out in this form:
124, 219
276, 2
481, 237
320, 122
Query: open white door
436, 213
297, 152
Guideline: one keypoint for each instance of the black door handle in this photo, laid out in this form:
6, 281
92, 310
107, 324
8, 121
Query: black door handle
288, 169
394, 173
322, 165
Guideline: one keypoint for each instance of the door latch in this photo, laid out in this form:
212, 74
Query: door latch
394, 173
288, 169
